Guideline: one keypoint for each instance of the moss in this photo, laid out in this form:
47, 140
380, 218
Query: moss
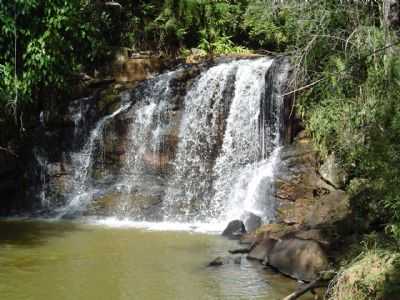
109, 101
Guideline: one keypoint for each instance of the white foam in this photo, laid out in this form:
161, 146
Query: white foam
113, 222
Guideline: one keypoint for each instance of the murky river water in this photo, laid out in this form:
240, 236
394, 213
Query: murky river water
42, 260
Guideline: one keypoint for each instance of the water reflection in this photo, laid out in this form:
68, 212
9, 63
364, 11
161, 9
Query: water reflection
45, 260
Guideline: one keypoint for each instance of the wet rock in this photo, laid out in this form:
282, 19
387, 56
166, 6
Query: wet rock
262, 249
252, 222
240, 250
332, 173
234, 230
300, 259
218, 261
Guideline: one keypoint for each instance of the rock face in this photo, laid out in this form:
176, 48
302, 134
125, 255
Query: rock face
312, 214
305, 199
332, 173
234, 230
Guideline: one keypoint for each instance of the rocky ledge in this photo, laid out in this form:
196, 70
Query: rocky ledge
313, 216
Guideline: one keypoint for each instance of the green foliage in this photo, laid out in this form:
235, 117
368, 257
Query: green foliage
354, 109
44, 42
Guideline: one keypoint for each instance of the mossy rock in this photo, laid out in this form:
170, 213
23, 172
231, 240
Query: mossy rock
109, 101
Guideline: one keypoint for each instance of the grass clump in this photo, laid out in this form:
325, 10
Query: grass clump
374, 274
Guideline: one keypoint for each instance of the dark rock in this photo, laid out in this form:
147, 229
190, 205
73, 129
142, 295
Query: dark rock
234, 230
300, 259
252, 222
240, 250
218, 261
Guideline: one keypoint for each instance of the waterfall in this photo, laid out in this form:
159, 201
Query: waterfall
201, 130
200, 146
82, 162
152, 118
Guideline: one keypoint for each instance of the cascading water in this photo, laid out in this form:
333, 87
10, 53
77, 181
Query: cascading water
201, 130
204, 151
82, 161
150, 127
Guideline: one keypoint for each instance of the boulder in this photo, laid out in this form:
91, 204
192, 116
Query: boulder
234, 230
262, 249
252, 222
300, 259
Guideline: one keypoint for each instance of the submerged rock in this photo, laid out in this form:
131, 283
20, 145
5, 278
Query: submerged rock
234, 230
219, 261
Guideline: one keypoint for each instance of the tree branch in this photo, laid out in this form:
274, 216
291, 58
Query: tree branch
317, 283
8, 151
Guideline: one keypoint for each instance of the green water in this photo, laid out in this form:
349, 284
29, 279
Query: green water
67, 260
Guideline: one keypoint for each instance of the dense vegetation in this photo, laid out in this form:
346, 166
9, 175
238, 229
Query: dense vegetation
344, 51
346, 80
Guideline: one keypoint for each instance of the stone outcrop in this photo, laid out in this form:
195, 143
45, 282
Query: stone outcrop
306, 200
331, 172
313, 214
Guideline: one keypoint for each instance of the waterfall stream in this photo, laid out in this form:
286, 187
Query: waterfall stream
203, 149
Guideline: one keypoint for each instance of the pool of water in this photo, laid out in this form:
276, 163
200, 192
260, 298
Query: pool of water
58, 260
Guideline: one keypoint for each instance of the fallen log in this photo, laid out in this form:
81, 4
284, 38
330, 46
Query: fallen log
317, 283
8, 151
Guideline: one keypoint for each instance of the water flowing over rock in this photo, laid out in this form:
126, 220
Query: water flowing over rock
197, 144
